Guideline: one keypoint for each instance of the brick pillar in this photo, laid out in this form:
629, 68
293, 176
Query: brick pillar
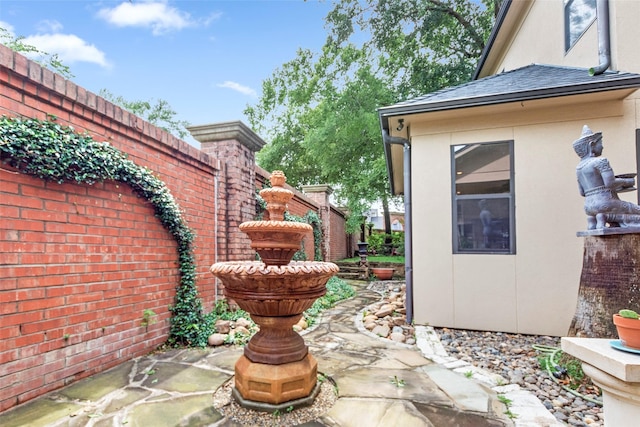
320, 194
235, 145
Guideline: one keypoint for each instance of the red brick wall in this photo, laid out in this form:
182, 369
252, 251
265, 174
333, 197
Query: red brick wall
80, 264
339, 242
83, 262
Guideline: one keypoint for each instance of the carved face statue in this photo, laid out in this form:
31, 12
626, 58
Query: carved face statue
596, 147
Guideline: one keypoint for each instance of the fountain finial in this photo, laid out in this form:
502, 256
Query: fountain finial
277, 196
276, 240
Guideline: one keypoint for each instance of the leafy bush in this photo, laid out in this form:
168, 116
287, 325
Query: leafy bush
377, 243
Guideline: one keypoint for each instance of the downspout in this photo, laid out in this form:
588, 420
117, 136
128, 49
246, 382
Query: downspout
604, 38
408, 243
215, 231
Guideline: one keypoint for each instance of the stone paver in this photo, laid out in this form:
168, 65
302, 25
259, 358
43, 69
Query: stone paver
379, 383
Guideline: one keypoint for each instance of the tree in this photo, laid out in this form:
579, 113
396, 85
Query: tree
422, 45
159, 113
318, 111
609, 282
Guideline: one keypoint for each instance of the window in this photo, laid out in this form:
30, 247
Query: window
578, 15
483, 199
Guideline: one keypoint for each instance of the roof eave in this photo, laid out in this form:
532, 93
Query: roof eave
593, 87
502, 13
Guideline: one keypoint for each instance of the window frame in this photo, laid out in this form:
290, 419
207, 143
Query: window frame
568, 44
510, 196
638, 159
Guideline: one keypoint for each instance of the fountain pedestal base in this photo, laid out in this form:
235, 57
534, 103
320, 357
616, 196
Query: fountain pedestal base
276, 384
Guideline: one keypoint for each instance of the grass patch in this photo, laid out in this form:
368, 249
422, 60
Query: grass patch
396, 259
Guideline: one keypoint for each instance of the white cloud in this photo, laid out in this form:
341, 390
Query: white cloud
238, 88
8, 27
157, 15
48, 26
70, 48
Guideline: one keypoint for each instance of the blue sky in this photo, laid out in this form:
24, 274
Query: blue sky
207, 58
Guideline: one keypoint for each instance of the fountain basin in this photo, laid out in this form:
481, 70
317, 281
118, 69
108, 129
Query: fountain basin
275, 296
274, 290
275, 241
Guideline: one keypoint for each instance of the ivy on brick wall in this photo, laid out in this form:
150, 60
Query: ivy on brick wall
53, 152
314, 220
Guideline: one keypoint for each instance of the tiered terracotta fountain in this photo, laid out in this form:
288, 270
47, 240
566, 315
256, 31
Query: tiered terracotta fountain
276, 369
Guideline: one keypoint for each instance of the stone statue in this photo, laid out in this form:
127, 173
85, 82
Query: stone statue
600, 187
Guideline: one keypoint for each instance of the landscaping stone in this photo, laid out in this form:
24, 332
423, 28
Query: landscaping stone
223, 326
217, 339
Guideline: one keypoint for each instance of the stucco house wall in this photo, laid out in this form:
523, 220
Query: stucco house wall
533, 290
537, 36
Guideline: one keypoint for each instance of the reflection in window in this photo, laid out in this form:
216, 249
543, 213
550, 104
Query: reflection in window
578, 15
483, 198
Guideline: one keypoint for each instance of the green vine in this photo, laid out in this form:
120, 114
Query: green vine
53, 152
314, 220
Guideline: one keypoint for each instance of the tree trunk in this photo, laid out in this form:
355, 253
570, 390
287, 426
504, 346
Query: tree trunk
386, 214
387, 225
610, 281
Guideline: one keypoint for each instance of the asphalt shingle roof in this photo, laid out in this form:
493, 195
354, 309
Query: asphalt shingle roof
530, 82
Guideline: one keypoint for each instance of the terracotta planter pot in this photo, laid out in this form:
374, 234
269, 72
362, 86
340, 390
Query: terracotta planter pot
383, 273
628, 331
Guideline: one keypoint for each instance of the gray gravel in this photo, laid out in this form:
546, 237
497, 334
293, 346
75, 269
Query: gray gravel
513, 357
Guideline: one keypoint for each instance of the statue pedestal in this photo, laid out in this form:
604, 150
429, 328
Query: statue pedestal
616, 372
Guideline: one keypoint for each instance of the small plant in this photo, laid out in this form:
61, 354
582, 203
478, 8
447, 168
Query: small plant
66, 337
629, 314
239, 338
150, 372
323, 377
289, 409
507, 403
398, 382
627, 324
148, 318
468, 374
